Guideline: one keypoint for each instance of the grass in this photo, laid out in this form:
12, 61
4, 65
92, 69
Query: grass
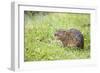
40, 43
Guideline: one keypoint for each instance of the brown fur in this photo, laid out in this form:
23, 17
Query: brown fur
70, 38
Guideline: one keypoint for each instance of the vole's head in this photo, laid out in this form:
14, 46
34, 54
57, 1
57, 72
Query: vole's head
60, 34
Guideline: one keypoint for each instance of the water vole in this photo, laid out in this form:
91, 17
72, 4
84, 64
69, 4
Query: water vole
70, 38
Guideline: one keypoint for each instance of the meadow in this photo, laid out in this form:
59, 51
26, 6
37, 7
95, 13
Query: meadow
40, 43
